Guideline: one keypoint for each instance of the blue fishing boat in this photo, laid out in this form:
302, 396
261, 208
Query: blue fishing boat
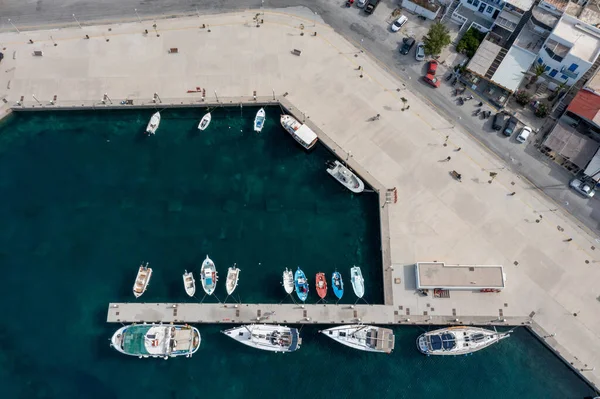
301, 285
337, 284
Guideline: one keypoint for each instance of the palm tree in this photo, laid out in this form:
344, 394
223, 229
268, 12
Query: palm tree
538, 70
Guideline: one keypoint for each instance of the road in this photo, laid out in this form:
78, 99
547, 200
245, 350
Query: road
372, 32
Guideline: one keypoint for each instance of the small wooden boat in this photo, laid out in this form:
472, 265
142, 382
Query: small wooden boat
209, 277
288, 281
233, 275
321, 284
153, 124
189, 283
259, 120
337, 284
142, 280
204, 122
358, 283
301, 285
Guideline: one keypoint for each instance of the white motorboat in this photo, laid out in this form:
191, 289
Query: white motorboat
345, 176
363, 337
288, 281
142, 280
156, 340
267, 337
233, 275
300, 132
358, 283
459, 340
204, 122
189, 283
209, 277
153, 124
259, 120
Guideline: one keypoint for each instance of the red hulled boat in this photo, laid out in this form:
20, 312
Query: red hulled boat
321, 285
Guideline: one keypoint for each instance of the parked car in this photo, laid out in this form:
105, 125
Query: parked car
586, 189
371, 6
499, 121
399, 23
509, 129
432, 80
420, 51
361, 3
525, 132
432, 67
408, 43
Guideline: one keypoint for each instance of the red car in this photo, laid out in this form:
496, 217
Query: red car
432, 80
432, 67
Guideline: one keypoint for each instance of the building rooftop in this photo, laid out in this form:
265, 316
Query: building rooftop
508, 20
530, 39
593, 167
431, 5
511, 70
590, 14
544, 16
524, 5
587, 105
570, 144
558, 5
483, 58
431, 275
585, 40
594, 83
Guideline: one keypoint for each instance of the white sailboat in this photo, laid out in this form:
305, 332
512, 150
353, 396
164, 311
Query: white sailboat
267, 337
459, 340
142, 280
209, 277
259, 120
189, 283
345, 176
358, 283
363, 337
153, 124
204, 122
288, 281
233, 275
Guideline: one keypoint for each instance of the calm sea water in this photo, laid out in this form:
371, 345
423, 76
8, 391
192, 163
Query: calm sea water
86, 197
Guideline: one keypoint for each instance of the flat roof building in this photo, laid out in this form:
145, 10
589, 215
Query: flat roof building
432, 275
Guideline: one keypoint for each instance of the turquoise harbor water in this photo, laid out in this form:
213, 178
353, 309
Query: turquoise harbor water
86, 197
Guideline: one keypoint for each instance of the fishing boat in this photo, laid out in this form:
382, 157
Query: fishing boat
459, 340
233, 275
259, 120
345, 176
267, 337
363, 337
189, 283
337, 284
358, 283
153, 124
288, 281
321, 284
301, 284
204, 122
208, 273
300, 132
142, 280
156, 340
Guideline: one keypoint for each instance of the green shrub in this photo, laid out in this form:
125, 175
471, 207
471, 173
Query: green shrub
522, 97
541, 111
470, 42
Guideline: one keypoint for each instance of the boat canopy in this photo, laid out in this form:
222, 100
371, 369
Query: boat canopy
305, 134
443, 341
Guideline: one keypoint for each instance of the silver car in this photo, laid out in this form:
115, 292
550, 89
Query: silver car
420, 53
586, 189
361, 3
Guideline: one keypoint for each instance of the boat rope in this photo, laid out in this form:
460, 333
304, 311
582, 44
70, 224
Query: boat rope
202, 300
218, 300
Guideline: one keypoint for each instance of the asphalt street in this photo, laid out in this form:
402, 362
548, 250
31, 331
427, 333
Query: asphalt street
371, 32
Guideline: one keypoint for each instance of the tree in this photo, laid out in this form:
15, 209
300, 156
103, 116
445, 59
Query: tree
538, 70
522, 97
541, 111
469, 42
437, 38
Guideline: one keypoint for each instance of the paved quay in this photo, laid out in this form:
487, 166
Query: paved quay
550, 262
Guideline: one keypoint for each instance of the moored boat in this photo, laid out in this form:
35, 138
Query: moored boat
156, 340
321, 285
358, 283
288, 281
205, 121
345, 176
208, 273
301, 285
459, 340
142, 279
300, 132
233, 275
338, 284
363, 337
153, 124
259, 120
189, 283
267, 337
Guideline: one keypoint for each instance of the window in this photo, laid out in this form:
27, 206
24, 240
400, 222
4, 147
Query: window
565, 77
490, 9
553, 73
540, 61
573, 67
470, 1
547, 68
475, 3
555, 50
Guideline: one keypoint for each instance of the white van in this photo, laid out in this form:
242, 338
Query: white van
525, 132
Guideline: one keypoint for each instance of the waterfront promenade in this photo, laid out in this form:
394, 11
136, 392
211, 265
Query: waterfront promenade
550, 262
